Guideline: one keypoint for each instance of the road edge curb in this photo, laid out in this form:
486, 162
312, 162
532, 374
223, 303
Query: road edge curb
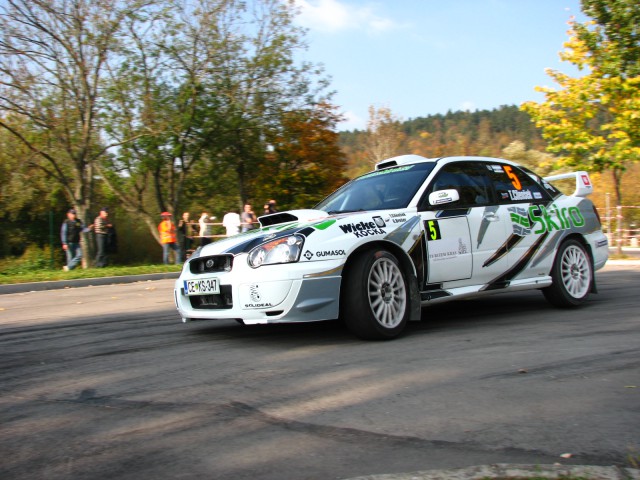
506, 471
83, 282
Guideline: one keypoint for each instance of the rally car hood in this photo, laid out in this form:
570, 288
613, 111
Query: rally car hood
292, 216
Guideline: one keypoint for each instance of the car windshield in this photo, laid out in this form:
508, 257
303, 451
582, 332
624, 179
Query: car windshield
385, 189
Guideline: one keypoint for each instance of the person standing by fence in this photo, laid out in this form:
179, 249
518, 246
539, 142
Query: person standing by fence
102, 227
205, 228
248, 218
185, 235
168, 238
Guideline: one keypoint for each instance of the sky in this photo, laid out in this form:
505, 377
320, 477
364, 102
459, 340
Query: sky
423, 57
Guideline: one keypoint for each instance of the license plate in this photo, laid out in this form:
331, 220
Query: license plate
204, 286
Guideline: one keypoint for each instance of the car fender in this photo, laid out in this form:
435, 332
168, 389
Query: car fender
407, 265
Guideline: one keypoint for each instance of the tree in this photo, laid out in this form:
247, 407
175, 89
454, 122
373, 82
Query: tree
208, 83
541, 163
384, 135
27, 198
53, 57
592, 121
162, 95
305, 162
615, 44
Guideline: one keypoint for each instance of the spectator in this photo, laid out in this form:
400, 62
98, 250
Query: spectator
185, 235
248, 219
231, 221
168, 238
205, 228
70, 232
272, 206
102, 227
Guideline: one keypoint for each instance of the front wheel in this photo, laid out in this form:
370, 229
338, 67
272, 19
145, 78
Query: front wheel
374, 299
572, 276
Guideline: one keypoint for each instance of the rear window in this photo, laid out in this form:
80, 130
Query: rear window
513, 185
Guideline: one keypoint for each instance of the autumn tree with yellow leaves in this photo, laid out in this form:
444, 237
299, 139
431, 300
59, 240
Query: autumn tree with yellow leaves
593, 121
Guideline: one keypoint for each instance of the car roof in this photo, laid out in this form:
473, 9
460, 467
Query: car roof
409, 159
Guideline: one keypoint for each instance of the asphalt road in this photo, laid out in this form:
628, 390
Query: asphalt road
104, 382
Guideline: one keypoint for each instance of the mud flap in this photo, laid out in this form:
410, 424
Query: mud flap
415, 309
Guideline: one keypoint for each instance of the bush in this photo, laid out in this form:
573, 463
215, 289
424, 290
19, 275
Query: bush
33, 259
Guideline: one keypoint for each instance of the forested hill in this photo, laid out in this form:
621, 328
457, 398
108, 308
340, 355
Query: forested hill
483, 132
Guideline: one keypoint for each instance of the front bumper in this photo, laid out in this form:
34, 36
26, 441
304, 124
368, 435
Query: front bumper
295, 292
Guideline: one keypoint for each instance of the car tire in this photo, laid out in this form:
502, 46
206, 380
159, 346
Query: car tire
375, 296
572, 276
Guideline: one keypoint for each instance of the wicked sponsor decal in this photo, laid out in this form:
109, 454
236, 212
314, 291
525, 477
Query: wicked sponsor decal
365, 229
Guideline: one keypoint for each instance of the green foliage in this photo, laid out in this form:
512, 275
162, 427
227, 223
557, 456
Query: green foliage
592, 122
34, 259
485, 133
201, 93
615, 41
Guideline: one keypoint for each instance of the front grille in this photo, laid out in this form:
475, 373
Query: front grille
212, 264
218, 301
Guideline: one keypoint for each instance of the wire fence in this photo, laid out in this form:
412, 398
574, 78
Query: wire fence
620, 225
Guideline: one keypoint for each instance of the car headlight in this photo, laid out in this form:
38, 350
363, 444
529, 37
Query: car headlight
283, 250
193, 256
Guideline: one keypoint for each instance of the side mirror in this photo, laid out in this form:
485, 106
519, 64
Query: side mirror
442, 197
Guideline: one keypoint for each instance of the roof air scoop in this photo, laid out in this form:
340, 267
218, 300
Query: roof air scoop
399, 160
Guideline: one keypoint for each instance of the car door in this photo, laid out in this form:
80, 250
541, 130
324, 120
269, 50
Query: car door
523, 196
465, 239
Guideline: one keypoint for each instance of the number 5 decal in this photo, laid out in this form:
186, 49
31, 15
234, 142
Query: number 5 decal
433, 230
514, 178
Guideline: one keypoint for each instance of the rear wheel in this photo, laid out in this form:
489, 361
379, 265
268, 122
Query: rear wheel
572, 276
374, 296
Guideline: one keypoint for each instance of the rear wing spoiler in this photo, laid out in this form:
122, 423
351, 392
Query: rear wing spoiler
584, 186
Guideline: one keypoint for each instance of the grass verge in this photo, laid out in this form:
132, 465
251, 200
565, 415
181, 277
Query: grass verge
46, 275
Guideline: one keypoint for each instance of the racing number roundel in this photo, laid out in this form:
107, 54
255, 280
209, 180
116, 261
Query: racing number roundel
433, 230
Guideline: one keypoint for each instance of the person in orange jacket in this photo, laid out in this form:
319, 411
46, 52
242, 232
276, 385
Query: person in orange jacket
168, 238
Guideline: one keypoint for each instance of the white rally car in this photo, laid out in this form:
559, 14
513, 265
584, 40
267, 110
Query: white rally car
413, 232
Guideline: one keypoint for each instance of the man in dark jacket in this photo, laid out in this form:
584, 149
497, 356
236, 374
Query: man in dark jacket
70, 232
